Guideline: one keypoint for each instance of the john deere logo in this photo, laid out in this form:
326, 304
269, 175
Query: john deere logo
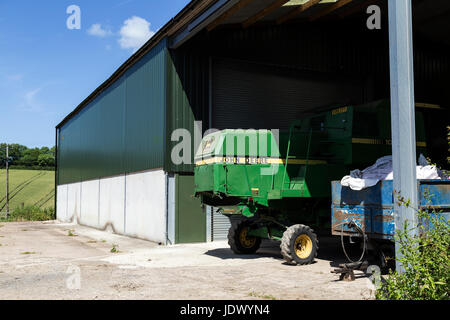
207, 144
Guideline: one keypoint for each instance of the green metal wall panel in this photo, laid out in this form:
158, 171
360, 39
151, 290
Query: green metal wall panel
190, 218
121, 130
90, 142
145, 95
68, 155
187, 100
112, 115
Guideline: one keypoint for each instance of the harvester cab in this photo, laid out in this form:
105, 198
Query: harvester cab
277, 184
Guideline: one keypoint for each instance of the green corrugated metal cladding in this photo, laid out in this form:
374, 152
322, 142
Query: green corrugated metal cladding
190, 220
187, 99
121, 130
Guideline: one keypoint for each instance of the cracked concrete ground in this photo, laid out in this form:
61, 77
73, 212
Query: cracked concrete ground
43, 260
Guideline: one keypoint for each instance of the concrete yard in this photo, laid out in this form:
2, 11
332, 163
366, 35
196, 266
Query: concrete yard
44, 260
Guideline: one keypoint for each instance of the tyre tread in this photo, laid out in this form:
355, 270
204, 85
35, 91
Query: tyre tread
286, 243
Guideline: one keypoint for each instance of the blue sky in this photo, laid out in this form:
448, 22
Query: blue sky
46, 70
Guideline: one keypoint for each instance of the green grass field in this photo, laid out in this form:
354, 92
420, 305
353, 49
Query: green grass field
28, 187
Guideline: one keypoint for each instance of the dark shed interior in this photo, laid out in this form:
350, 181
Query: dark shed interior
262, 69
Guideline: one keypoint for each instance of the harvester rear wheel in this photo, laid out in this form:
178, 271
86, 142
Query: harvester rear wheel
299, 245
239, 240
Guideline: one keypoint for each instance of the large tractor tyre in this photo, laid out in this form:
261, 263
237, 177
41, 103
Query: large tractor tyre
299, 245
239, 240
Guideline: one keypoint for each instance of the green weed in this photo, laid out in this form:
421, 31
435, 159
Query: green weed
261, 296
71, 233
424, 258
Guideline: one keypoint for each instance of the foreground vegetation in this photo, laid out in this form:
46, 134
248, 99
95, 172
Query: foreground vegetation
30, 213
28, 188
425, 259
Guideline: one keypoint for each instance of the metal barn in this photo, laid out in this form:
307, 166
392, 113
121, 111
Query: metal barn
240, 64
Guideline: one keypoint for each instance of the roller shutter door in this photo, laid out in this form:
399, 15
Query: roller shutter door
220, 226
263, 97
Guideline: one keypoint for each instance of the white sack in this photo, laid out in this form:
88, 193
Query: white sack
382, 170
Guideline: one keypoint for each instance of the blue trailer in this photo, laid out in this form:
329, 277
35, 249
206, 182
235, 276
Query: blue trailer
372, 209
370, 212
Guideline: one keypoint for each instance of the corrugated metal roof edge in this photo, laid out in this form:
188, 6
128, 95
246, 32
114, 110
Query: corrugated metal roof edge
150, 44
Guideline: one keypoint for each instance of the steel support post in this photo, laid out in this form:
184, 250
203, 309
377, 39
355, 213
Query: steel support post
402, 112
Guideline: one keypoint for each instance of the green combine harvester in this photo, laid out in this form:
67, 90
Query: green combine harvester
278, 185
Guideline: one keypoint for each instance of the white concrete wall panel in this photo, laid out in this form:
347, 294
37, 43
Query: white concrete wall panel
90, 203
61, 204
171, 210
73, 201
133, 205
112, 204
146, 206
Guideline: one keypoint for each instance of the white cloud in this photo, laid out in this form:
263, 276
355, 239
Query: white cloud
97, 30
31, 103
15, 77
134, 33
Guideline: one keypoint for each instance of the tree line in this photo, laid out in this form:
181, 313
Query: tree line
22, 157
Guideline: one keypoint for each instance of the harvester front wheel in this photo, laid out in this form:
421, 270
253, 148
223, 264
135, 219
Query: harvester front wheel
299, 245
239, 239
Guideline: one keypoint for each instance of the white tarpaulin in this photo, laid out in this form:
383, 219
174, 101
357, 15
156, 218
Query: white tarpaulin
382, 170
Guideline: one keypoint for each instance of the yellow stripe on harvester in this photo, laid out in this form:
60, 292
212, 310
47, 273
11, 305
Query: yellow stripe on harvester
428, 105
208, 161
295, 161
335, 112
255, 160
368, 141
421, 144
381, 141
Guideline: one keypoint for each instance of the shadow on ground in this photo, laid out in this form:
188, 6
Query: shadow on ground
330, 249
269, 249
